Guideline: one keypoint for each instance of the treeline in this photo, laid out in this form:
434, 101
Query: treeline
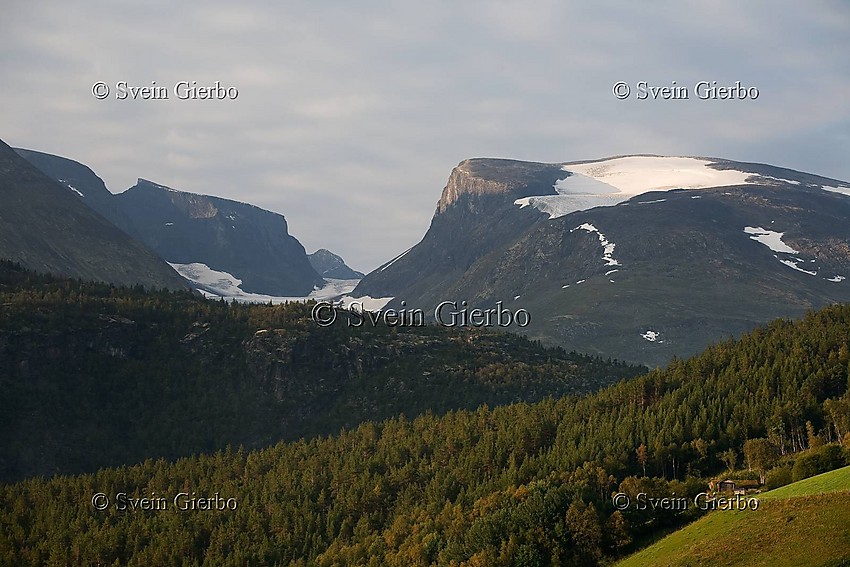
93, 376
524, 484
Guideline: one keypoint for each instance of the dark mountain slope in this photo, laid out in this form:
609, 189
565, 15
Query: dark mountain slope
657, 274
46, 227
251, 243
329, 265
80, 180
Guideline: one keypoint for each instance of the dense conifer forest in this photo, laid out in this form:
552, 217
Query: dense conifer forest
94, 375
519, 484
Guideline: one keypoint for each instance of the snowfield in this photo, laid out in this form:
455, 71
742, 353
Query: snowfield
613, 181
793, 264
634, 175
652, 336
842, 190
216, 284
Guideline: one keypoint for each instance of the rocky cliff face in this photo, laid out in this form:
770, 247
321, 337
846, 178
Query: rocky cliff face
250, 243
475, 216
500, 178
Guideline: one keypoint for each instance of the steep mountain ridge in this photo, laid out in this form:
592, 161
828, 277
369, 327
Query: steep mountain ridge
241, 239
472, 204
46, 227
329, 265
249, 244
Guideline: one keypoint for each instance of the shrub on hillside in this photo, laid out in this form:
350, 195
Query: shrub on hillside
819, 460
776, 477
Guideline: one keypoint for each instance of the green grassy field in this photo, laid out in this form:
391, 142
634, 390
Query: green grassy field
804, 523
832, 481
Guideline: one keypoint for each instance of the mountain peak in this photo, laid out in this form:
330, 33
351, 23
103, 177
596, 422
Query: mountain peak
497, 177
46, 226
329, 265
619, 256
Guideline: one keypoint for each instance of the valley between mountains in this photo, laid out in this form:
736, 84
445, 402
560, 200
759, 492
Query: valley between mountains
638, 258
689, 325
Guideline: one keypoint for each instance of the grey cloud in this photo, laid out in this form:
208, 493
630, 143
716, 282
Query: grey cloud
350, 116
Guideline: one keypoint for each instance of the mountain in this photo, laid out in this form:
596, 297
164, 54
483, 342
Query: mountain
246, 241
209, 240
46, 227
329, 265
641, 258
78, 179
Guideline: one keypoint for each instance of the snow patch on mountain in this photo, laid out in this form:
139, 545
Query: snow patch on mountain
769, 238
652, 336
792, 263
607, 247
634, 175
71, 187
559, 205
831, 189
217, 284
791, 181
836, 279
773, 240
612, 181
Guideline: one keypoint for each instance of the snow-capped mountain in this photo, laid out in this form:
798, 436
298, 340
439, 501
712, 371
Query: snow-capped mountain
199, 235
249, 242
634, 257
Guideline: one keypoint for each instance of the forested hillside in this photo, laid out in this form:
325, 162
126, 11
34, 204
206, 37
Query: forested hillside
94, 376
525, 484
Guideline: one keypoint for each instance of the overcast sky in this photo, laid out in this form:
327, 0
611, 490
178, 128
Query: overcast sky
351, 115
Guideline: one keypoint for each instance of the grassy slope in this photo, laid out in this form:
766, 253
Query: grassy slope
832, 481
804, 523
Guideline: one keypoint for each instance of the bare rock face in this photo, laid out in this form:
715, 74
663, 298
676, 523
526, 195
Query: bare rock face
494, 177
329, 265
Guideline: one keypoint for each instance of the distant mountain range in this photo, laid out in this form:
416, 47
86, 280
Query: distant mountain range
329, 265
640, 258
637, 257
222, 247
45, 227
